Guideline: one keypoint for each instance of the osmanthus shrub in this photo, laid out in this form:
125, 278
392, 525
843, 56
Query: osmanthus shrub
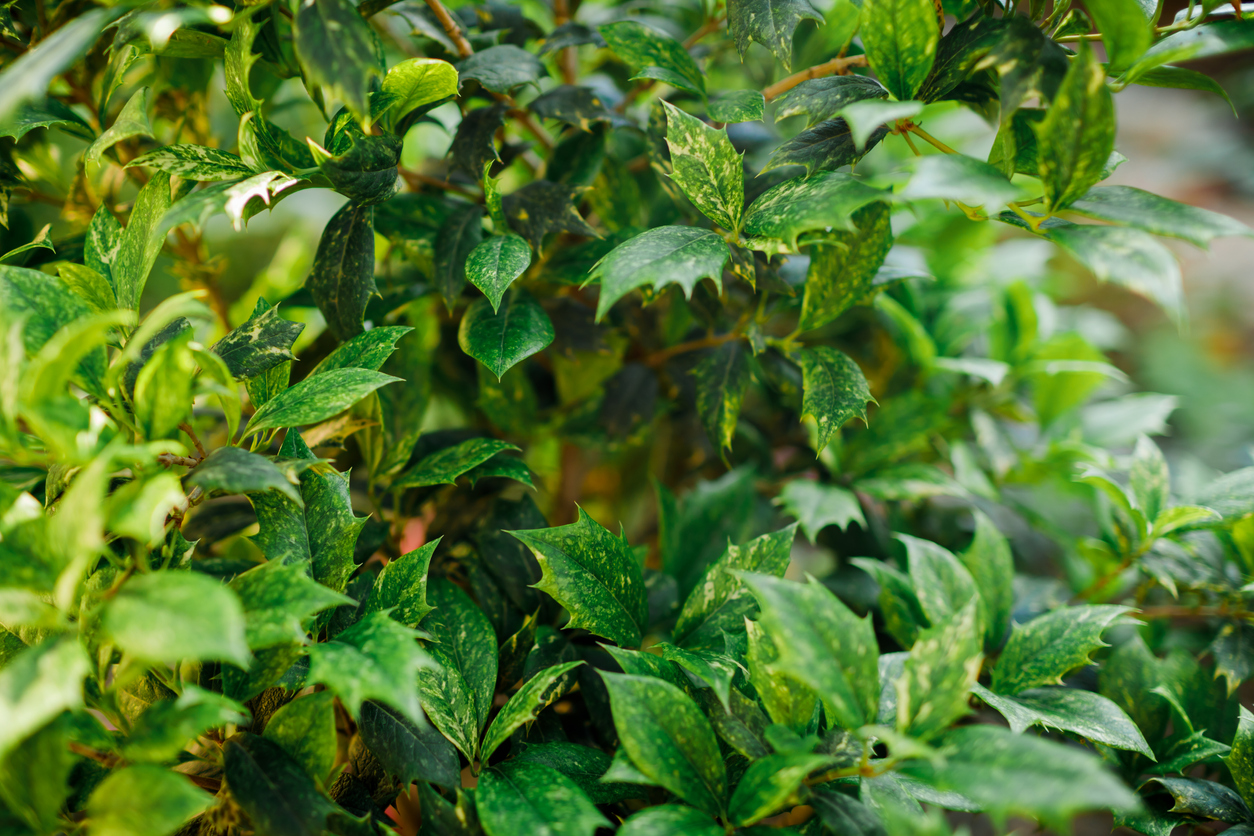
296, 549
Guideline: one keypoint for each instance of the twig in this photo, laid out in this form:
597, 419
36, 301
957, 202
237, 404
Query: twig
1176, 611
524, 118
931, 140
454, 32
567, 58
200, 448
414, 179
837, 66
171, 460
659, 358
707, 28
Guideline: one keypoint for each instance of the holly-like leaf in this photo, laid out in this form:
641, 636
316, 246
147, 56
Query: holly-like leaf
335, 48
738, 106
960, 178
824, 147
317, 398
1080, 712
494, 265
542, 207
939, 673
474, 144
200, 619
770, 23
644, 49
1041, 651
668, 740
578, 106
1199, 798
194, 162
942, 583
342, 278
444, 466
900, 37
170, 801
416, 84
49, 113
502, 339
706, 166
1146, 211
539, 692
594, 575
815, 506
502, 68
722, 379
770, 783
835, 389
823, 202
1075, 138
407, 750
820, 99
272, 788
843, 271
260, 344
822, 644
278, 600
521, 797
683, 255
401, 588
1127, 257
375, 659
369, 350
305, 729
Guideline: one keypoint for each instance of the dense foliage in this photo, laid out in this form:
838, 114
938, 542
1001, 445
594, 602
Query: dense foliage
295, 548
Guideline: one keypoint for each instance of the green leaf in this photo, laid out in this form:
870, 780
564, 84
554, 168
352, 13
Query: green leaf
720, 602
35, 778
715, 668
416, 84
1126, 30
738, 106
1203, 799
1205, 41
518, 329
41, 241
822, 644
335, 48
1030, 64
316, 398
939, 673
444, 466
824, 202
305, 729
37, 684
820, 99
900, 37
504, 467
365, 351
835, 390
342, 278
583, 765
170, 800
359, 166
1143, 210
815, 506
707, 167
28, 77
1240, 761
844, 814
578, 106
401, 588
1188, 751
1127, 257
668, 740
770, 23
1149, 479
682, 255
960, 178
194, 162
474, 145
502, 68
260, 344
541, 207
525, 797
843, 268
140, 245
132, 121
100, 249
770, 784
458, 237
465, 645
539, 692
824, 147
50, 113
670, 820
943, 584
239, 199
961, 49
1232, 651
375, 659
234, 471
643, 48
1009, 774
272, 788
1041, 651
1178, 78
200, 619
989, 559
494, 265
722, 379
407, 750
1077, 135
1084, 713
866, 116
279, 599
594, 575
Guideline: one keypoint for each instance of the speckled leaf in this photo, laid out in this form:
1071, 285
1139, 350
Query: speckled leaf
368, 350
444, 466
342, 278
715, 668
408, 751
233, 470
786, 700
824, 147
260, 344
1077, 134
502, 466
336, 51
668, 739
720, 602
501, 68
494, 265
37, 684
989, 559
722, 380
1233, 649
271, 787
578, 106
132, 121
539, 692
1028, 62
815, 506
458, 237
959, 51
824, 202
842, 272
770, 23
772, 783
943, 584
1041, 651
401, 588
670, 820
520, 797
939, 673
359, 166
570, 34
835, 389
738, 106
1240, 761
139, 246
170, 802
47, 114
317, 398
375, 659
820, 99
474, 144
1212, 39
594, 575
542, 207
706, 166
463, 637
502, 340
641, 48
822, 644
1146, 211
329, 519
1201, 799
1127, 257
1080, 712
279, 599
683, 255
900, 37
194, 162
200, 619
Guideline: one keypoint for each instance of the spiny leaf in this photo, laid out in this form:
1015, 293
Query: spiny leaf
644, 48
1080, 712
821, 99
835, 390
336, 51
816, 506
1042, 650
823, 202
722, 379
669, 254
260, 344
770, 23
444, 466
279, 599
542, 207
375, 659
1146, 211
401, 588
706, 166
900, 37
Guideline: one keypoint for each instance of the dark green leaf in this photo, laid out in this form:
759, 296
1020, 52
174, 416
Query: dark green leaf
706, 166
682, 255
578, 106
583, 765
51, 113
458, 237
494, 265
570, 34
939, 673
364, 351
1077, 134
1030, 65
279, 599
474, 145
502, 68
835, 390
1188, 751
260, 344
1202, 799
336, 51
342, 278
670, 820
1083, 713
770, 23
644, 48
169, 802
1240, 760
959, 51
1042, 650
317, 398
900, 37
139, 246
502, 340
539, 692
361, 167
408, 751
722, 379
234, 471
541, 207
444, 466
272, 788
820, 99
375, 659
305, 729
989, 559
825, 147
823, 202
842, 270
532, 798
816, 506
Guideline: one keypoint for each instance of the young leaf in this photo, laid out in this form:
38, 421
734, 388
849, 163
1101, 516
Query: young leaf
1042, 650
668, 740
900, 37
200, 619
939, 673
821, 643
407, 750
768, 785
458, 237
835, 390
816, 506
401, 588
375, 659
494, 265
1074, 710
644, 48
132, 121
170, 801
1077, 134
502, 68
770, 23
418, 83
342, 278
594, 575
722, 379
260, 344
502, 339
317, 398
843, 270
336, 51
1143, 210
525, 797
825, 201
706, 166
539, 692
682, 255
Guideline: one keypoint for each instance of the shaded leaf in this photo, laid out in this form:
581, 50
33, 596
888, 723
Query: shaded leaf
770, 23
502, 68
342, 278
502, 340
542, 207
494, 265
681, 255
375, 659
643, 48
336, 51
526, 797
539, 692
823, 147
722, 379
843, 269
835, 390
771, 783
407, 750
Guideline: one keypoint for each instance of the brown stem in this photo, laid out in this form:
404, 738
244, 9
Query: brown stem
454, 32
200, 448
707, 28
524, 118
103, 758
659, 358
567, 58
837, 66
1177, 611
414, 179
171, 460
